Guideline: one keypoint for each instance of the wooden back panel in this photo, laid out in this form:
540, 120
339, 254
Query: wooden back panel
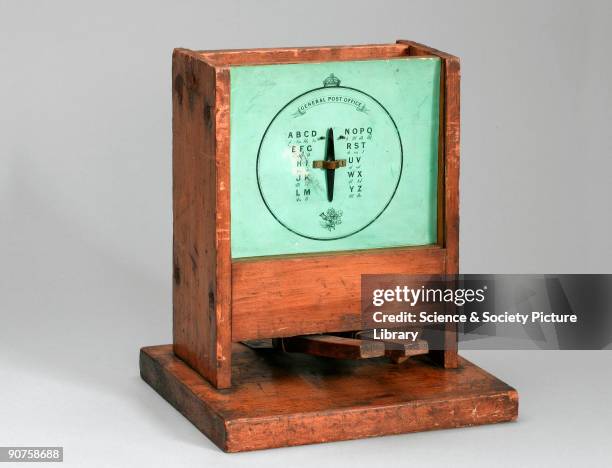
226, 58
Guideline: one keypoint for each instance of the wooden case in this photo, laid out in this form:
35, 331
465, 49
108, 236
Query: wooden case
218, 301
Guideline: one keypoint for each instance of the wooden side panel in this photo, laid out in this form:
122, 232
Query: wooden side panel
223, 306
280, 297
450, 146
201, 263
303, 54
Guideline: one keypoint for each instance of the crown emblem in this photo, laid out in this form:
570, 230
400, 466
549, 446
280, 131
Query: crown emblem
331, 80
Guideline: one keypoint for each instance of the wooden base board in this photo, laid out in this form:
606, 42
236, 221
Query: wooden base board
279, 399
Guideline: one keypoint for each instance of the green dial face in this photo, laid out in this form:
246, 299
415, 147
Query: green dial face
329, 162
333, 156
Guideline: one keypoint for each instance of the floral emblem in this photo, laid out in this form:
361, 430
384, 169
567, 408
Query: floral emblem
331, 218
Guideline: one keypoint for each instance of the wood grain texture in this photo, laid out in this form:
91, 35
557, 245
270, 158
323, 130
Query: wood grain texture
302, 54
201, 263
217, 301
448, 185
398, 350
337, 347
222, 235
278, 399
308, 294
450, 145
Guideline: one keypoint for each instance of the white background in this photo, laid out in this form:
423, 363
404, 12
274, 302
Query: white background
85, 210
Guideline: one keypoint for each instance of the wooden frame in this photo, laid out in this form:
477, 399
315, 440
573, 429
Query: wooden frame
217, 301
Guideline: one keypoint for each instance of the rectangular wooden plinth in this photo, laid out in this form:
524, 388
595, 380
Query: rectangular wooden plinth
279, 399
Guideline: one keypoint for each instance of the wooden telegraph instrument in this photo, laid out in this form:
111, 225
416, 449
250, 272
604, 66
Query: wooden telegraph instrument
296, 171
